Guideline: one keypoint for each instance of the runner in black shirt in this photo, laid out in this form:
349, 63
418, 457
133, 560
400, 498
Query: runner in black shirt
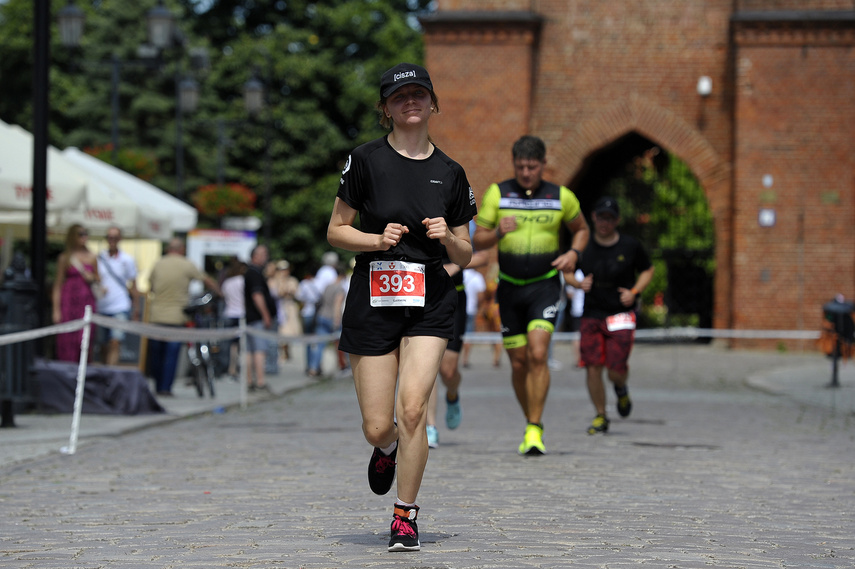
412, 200
617, 269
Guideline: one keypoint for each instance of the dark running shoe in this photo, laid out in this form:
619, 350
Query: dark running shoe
624, 403
599, 425
381, 471
405, 530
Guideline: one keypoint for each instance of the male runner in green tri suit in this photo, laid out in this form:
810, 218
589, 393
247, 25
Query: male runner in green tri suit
523, 215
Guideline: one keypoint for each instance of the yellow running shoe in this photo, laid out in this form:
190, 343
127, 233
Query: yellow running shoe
599, 425
532, 444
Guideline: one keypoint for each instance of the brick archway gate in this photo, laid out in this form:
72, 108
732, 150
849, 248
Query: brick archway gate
634, 114
756, 96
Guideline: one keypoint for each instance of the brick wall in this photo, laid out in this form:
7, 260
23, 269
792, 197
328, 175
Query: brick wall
483, 78
581, 74
795, 86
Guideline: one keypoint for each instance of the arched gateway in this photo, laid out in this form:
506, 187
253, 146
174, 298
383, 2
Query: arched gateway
756, 96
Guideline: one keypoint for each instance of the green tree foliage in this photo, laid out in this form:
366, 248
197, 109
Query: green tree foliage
16, 62
320, 63
664, 205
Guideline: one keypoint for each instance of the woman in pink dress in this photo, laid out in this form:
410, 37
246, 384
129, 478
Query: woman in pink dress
76, 274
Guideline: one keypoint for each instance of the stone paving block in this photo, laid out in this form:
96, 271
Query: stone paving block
706, 473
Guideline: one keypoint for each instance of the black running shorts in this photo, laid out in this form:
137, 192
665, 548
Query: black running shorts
521, 305
375, 331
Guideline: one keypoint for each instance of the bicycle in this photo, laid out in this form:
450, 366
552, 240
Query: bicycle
201, 314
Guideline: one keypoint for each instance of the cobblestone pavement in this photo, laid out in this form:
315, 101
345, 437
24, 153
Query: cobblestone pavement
707, 472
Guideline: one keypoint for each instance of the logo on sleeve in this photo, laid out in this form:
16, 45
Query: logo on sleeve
471, 196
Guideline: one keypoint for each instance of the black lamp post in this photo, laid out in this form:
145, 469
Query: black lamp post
161, 35
71, 20
160, 26
254, 99
41, 107
187, 98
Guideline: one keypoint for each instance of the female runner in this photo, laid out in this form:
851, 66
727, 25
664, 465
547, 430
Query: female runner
412, 200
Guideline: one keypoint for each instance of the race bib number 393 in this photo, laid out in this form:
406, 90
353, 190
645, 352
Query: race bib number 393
397, 283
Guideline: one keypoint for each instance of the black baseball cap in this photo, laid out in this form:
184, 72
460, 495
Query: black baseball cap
608, 204
403, 74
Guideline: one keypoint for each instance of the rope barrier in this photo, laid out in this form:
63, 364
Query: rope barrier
185, 334
81, 384
148, 330
677, 333
161, 332
181, 334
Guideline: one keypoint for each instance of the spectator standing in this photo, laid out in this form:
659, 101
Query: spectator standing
309, 297
328, 272
121, 300
170, 285
475, 287
617, 269
271, 357
286, 286
330, 307
77, 280
325, 276
575, 306
260, 315
234, 309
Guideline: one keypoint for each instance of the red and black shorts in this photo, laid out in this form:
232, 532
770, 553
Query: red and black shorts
600, 347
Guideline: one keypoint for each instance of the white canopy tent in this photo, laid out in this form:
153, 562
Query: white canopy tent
157, 208
66, 183
85, 190
73, 196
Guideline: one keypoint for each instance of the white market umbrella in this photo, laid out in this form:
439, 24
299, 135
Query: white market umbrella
66, 184
73, 196
156, 205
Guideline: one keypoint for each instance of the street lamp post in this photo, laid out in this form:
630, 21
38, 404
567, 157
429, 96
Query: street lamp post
186, 100
254, 97
41, 107
161, 35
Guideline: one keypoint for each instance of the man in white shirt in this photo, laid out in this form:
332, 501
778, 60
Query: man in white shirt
121, 300
475, 286
309, 292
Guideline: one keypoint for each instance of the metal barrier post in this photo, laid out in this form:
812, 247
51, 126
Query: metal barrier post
839, 312
18, 312
244, 369
81, 383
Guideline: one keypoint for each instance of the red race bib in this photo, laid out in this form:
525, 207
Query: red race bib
622, 321
397, 283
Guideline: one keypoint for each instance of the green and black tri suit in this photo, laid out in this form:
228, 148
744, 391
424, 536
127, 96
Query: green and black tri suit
529, 286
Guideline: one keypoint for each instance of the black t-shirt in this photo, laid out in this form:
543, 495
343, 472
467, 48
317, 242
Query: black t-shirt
254, 281
385, 187
612, 267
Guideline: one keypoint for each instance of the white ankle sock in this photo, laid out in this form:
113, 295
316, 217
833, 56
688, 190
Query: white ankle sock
388, 450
